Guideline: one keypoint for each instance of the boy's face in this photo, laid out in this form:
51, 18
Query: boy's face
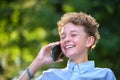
73, 40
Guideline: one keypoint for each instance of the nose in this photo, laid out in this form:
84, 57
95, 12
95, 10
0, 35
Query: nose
67, 39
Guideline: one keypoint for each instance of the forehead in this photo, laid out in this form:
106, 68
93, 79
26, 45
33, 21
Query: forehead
69, 27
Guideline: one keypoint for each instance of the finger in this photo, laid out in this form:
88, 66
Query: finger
54, 43
60, 60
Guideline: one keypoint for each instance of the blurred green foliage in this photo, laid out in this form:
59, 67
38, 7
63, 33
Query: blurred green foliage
27, 25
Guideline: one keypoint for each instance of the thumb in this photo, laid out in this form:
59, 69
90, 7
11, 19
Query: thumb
60, 60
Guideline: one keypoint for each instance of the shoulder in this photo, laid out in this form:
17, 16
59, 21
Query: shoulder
51, 73
103, 70
107, 72
54, 70
48, 74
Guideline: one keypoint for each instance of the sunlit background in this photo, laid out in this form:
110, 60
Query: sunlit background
27, 25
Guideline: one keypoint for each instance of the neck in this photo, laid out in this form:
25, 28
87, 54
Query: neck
80, 58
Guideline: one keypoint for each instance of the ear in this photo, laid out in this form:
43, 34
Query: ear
90, 41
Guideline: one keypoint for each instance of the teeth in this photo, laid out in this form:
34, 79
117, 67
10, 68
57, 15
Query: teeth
68, 47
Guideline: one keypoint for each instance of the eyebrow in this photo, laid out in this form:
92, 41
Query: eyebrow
70, 32
74, 31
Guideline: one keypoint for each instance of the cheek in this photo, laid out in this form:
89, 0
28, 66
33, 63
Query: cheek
80, 42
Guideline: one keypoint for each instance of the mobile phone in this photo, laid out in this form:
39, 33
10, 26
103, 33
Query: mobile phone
56, 52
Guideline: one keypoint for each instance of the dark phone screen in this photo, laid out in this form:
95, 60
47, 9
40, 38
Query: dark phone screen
56, 52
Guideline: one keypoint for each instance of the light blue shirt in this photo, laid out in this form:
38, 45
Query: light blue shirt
83, 71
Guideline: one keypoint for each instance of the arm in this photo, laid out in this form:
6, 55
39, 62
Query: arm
43, 58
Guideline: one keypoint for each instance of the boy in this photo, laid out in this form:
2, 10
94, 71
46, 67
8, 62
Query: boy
78, 34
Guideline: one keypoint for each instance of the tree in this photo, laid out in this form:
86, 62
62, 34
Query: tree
26, 26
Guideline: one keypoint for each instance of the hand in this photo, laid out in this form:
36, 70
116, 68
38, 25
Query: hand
45, 54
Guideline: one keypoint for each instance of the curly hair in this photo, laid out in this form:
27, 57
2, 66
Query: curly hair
88, 22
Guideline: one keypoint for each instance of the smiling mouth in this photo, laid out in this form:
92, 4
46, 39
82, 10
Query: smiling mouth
69, 47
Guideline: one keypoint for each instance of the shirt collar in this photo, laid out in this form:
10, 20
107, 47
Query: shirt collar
83, 67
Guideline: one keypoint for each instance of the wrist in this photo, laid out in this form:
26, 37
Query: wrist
29, 73
35, 66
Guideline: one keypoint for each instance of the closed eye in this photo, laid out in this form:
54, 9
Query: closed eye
73, 35
62, 37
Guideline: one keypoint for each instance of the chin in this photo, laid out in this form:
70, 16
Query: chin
69, 55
